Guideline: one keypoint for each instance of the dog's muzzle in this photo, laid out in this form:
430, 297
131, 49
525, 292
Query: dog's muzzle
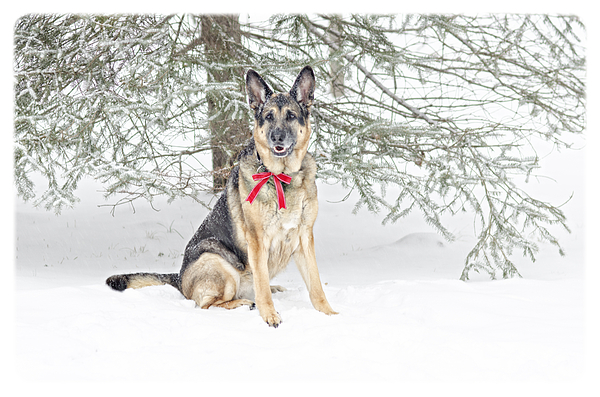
282, 151
281, 142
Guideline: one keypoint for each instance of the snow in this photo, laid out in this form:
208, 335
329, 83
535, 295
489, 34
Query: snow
404, 314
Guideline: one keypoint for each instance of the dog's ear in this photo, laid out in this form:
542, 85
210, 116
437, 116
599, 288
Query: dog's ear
258, 91
303, 89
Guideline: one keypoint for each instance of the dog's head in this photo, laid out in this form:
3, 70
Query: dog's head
282, 120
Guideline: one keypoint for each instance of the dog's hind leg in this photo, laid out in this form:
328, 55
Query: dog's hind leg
234, 304
212, 281
277, 288
207, 301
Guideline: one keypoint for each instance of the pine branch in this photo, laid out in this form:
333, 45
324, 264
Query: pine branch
313, 27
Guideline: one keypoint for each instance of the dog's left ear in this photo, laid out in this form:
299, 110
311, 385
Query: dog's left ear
303, 89
258, 91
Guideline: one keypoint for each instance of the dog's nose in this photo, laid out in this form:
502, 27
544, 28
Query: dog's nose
277, 135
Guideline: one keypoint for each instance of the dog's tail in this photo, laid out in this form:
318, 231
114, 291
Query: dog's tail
120, 282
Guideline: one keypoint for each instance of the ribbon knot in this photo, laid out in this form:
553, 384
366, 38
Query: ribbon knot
263, 177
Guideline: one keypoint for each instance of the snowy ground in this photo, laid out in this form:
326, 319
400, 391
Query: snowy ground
404, 315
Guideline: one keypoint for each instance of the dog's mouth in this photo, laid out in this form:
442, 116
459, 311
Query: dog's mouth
282, 151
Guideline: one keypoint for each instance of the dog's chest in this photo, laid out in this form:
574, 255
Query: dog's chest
285, 239
283, 229
280, 228
285, 222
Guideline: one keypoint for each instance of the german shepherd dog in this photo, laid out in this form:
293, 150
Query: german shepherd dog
258, 223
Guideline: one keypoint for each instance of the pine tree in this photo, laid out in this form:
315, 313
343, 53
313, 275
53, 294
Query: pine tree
436, 113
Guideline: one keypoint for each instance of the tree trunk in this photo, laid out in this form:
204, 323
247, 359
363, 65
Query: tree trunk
221, 37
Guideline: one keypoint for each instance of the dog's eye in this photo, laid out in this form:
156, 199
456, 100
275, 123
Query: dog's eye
291, 116
269, 117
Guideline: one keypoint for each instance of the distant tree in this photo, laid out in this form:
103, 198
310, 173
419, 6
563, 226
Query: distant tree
440, 112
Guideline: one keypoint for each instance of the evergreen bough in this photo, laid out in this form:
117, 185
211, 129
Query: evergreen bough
435, 113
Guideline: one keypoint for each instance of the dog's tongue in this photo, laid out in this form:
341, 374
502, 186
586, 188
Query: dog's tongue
279, 149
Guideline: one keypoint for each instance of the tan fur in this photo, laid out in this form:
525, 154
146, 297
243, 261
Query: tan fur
273, 236
270, 236
212, 281
143, 281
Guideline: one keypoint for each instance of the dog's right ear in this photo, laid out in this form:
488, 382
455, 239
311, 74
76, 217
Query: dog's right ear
258, 91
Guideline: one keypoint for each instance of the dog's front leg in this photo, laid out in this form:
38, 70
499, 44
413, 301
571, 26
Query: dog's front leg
258, 259
306, 261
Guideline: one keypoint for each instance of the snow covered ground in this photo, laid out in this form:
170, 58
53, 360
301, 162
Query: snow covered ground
404, 315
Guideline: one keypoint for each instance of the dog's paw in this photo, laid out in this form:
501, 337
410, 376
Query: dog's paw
273, 319
247, 302
323, 307
277, 288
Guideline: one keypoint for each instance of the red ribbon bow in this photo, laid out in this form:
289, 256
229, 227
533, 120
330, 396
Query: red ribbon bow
264, 178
